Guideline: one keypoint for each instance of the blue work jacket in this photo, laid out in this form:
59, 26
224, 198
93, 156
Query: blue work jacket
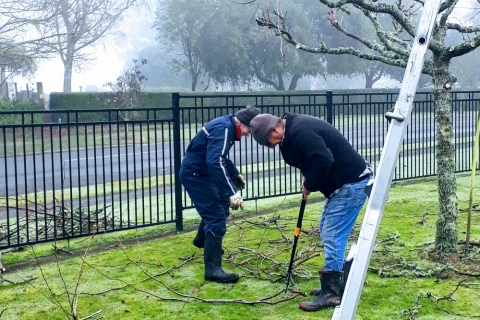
207, 154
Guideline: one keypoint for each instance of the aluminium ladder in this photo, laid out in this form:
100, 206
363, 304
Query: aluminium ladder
362, 251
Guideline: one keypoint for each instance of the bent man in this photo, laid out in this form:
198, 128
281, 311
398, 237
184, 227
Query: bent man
213, 182
330, 165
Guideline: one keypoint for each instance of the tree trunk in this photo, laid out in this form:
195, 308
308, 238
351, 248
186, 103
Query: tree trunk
294, 82
67, 74
446, 236
281, 84
3, 83
194, 83
368, 80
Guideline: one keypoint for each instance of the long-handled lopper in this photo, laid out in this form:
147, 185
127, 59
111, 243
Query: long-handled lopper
295, 241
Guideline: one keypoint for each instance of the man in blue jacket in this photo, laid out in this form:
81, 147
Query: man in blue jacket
213, 183
328, 164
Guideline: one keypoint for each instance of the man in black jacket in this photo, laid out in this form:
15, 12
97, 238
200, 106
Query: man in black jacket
328, 164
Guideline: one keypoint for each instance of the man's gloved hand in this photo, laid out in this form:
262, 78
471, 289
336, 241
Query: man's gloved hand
236, 201
239, 181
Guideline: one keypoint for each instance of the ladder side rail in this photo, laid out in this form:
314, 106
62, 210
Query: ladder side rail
387, 164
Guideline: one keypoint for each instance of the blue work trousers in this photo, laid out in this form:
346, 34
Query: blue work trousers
203, 192
338, 219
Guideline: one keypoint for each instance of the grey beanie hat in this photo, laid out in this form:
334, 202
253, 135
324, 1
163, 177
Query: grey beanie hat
262, 127
246, 115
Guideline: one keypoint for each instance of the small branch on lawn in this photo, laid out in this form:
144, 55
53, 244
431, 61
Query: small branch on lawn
449, 297
186, 298
92, 315
472, 243
2, 279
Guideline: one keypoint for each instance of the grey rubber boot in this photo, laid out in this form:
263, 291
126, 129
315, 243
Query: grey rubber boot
346, 271
331, 293
213, 261
199, 240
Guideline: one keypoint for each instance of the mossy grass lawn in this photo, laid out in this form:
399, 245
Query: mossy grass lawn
162, 278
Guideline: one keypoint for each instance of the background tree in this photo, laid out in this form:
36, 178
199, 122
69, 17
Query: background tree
217, 41
180, 23
159, 70
13, 60
128, 90
281, 69
78, 25
391, 44
19, 49
343, 65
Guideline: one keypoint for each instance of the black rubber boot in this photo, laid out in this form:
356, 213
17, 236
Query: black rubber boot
331, 293
346, 271
199, 240
213, 261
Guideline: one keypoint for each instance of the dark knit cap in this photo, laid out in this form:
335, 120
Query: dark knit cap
246, 115
262, 127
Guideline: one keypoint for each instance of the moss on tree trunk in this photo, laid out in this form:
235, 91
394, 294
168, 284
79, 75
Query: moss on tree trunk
446, 234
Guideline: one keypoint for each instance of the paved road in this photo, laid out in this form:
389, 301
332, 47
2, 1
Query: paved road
58, 170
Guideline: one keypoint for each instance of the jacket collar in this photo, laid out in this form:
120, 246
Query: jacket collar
288, 121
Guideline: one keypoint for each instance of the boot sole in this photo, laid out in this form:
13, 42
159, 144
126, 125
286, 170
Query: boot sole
222, 280
311, 309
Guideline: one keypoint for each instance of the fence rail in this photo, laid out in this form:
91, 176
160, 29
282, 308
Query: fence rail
69, 174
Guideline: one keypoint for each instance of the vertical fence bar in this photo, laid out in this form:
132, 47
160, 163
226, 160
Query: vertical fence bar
329, 106
177, 161
95, 173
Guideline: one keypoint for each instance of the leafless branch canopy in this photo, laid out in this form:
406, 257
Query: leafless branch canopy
392, 42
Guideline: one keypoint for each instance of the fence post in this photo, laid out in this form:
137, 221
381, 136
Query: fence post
329, 106
41, 98
177, 160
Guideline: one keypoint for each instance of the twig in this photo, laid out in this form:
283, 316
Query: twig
92, 315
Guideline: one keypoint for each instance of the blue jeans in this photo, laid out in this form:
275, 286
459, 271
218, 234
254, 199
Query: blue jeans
338, 218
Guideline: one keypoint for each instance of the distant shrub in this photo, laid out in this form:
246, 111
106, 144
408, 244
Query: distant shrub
17, 105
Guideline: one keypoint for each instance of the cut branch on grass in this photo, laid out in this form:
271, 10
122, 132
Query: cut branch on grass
24, 281
184, 298
414, 310
49, 222
449, 297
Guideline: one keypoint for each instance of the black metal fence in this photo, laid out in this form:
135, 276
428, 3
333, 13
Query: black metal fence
73, 176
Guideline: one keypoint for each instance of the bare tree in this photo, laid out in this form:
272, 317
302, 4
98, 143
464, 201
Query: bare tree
395, 28
77, 25
129, 90
18, 49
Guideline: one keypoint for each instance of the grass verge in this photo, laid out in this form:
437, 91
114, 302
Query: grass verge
163, 277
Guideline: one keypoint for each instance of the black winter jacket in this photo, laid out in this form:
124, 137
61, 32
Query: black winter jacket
324, 156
